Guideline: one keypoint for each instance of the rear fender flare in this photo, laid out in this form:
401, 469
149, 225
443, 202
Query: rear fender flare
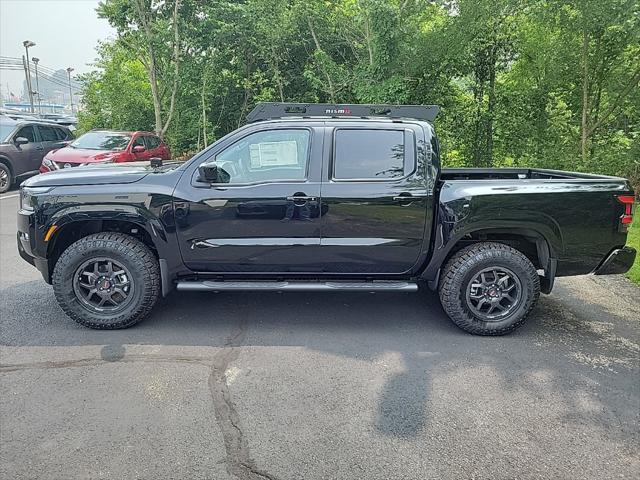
548, 246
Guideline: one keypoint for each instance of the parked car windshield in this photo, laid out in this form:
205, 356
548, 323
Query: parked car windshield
102, 141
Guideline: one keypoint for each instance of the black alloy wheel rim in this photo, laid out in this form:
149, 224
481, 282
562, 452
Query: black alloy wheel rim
494, 293
103, 285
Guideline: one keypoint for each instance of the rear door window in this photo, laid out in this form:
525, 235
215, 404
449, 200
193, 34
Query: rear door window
368, 154
152, 142
48, 134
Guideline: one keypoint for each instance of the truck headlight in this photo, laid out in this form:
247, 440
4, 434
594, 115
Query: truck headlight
29, 197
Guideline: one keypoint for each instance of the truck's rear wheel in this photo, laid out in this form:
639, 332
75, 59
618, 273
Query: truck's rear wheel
107, 281
489, 288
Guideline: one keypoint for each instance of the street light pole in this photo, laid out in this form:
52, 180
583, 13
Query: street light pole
27, 44
35, 60
69, 70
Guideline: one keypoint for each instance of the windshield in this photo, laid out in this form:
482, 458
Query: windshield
5, 130
102, 141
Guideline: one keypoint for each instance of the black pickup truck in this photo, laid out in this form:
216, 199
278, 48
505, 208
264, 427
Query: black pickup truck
314, 197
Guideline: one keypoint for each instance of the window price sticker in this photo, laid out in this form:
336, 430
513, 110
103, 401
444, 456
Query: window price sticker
274, 154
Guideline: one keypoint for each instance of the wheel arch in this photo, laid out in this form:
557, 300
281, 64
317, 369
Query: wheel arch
531, 242
70, 231
5, 161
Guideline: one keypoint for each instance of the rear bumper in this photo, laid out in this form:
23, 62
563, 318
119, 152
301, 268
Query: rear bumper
618, 261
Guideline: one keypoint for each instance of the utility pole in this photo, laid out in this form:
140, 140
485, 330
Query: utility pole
35, 61
27, 44
26, 76
69, 70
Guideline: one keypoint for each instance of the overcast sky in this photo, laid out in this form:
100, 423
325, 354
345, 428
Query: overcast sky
66, 33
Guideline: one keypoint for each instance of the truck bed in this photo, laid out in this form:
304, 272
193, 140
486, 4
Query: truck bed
576, 213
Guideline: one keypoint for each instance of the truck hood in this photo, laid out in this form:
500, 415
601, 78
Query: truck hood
97, 174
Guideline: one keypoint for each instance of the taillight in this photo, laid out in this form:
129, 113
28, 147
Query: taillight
627, 216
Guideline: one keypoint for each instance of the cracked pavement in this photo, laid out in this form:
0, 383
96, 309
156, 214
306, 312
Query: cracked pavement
317, 386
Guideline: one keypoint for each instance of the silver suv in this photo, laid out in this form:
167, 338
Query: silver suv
23, 144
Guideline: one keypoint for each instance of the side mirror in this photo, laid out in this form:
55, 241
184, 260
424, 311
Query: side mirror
139, 149
21, 141
210, 172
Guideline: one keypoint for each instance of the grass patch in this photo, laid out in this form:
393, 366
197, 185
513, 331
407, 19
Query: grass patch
634, 240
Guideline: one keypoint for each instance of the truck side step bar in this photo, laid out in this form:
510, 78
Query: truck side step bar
297, 286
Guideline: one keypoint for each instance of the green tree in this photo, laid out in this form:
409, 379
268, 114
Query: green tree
117, 95
152, 32
540, 83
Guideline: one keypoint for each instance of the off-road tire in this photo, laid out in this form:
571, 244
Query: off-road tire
9, 179
124, 249
461, 269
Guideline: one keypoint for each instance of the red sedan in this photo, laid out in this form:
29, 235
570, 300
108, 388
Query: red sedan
104, 146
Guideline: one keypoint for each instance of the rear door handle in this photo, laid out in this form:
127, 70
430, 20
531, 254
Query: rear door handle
40, 148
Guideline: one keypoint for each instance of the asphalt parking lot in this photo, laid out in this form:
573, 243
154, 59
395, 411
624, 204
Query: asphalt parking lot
317, 386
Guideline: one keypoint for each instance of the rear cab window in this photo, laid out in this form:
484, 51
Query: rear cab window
362, 154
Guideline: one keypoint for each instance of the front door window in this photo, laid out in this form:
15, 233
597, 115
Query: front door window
268, 156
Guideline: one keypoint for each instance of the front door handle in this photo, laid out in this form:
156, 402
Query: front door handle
40, 148
301, 198
408, 197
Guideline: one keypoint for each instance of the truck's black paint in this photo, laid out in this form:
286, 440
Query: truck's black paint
568, 224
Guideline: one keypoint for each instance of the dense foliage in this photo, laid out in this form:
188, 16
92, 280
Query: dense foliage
549, 83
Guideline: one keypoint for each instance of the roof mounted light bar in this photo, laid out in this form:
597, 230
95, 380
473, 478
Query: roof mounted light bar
270, 110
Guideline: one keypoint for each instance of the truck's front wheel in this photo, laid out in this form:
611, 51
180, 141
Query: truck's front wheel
489, 288
107, 281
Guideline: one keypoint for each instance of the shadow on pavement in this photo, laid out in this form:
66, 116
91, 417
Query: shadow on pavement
361, 326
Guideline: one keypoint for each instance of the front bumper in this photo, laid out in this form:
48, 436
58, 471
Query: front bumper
618, 261
26, 239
